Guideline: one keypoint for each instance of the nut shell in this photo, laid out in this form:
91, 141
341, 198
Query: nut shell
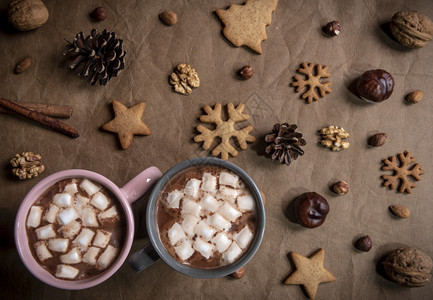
375, 85
411, 28
27, 15
409, 267
311, 209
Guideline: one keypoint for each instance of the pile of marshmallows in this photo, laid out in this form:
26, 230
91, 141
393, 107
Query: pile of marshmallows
207, 216
75, 235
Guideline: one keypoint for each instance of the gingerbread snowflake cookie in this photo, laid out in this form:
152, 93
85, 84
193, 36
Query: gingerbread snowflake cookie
402, 172
314, 74
224, 130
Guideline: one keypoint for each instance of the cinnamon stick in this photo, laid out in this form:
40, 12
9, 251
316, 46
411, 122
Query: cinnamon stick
52, 110
40, 118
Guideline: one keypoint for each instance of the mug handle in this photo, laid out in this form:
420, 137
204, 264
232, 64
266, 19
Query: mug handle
143, 258
138, 185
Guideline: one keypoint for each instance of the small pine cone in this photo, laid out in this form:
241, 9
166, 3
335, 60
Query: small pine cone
98, 57
284, 143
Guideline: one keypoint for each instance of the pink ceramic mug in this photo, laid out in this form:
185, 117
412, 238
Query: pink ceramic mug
133, 190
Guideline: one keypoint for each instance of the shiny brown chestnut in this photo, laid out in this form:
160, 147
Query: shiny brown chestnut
311, 209
375, 85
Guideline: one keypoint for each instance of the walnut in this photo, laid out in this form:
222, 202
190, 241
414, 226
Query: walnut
409, 267
27, 15
411, 28
183, 78
27, 165
332, 137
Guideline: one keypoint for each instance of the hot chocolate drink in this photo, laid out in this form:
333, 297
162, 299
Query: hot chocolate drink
75, 229
206, 217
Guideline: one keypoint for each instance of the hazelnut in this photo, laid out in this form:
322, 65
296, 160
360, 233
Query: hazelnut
99, 14
400, 211
415, 96
246, 72
238, 274
168, 17
311, 209
377, 140
375, 85
341, 188
364, 243
332, 28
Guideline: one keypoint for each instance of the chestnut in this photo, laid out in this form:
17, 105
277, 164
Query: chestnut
375, 85
311, 209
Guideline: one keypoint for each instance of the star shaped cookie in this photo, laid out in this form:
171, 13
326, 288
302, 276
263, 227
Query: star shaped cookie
309, 272
127, 122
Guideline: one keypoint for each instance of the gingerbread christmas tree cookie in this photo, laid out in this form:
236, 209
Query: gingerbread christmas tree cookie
127, 122
246, 24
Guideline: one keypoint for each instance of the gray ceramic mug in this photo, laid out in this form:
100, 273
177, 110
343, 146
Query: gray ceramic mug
154, 250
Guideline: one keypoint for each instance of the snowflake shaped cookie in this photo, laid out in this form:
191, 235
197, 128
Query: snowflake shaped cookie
402, 172
224, 130
313, 73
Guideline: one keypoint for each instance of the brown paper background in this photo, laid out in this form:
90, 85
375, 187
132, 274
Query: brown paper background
153, 50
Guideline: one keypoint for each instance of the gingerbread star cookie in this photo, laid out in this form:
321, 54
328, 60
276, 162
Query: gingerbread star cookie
127, 122
246, 24
309, 272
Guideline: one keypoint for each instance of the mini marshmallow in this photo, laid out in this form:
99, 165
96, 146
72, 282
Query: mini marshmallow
229, 179
71, 188
210, 203
190, 207
246, 202
107, 257
184, 250
62, 199
80, 202
192, 188
208, 183
244, 237
175, 233
90, 256
89, 217
58, 245
89, 187
219, 222
51, 214
67, 216
188, 224
45, 232
42, 251
204, 248
84, 238
228, 193
204, 230
99, 200
34, 218
222, 242
229, 212
232, 253
71, 230
102, 238
173, 198
72, 257
67, 272
110, 213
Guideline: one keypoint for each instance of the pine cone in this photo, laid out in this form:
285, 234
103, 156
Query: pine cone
99, 56
284, 143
